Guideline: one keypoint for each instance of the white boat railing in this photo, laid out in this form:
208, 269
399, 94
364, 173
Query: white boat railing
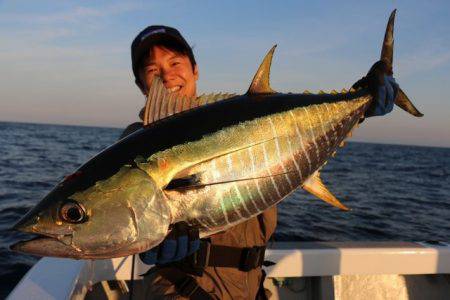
53, 278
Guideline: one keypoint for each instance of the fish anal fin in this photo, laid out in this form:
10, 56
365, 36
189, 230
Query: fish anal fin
404, 103
261, 81
315, 186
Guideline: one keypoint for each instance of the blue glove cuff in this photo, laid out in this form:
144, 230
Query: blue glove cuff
384, 103
180, 243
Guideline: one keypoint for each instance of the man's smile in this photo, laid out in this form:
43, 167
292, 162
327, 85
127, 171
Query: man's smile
175, 88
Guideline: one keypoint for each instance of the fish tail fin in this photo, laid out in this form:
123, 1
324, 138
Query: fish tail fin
387, 52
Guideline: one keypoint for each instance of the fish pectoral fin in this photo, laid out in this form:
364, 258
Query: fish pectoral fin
261, 81
162, 103
194, 181
315, 186
191, 180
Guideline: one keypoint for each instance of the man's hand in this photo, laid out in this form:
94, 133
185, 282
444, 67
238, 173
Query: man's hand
182, 241
383, 88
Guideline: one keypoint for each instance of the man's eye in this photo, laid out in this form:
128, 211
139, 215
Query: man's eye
175, 63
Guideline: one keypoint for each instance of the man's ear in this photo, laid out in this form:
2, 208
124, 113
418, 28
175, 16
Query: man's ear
196, 72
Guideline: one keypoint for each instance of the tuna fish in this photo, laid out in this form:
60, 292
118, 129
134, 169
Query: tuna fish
212, 162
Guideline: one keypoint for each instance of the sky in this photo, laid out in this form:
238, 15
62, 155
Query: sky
68, 62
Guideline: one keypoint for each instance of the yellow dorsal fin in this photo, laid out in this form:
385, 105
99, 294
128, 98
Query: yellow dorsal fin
261, 81
315, 186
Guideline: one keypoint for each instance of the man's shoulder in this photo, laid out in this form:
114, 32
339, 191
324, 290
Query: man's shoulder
130, 129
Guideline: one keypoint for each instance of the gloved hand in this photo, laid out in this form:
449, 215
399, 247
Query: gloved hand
382, 86
182, 241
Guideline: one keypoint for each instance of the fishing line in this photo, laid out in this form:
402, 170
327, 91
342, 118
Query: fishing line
132, 278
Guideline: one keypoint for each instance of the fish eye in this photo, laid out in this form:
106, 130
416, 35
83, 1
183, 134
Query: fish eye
72, 212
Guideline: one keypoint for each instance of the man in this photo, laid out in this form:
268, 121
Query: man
162, 51
228, 264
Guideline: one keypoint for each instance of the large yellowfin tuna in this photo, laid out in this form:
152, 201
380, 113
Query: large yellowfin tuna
212, 162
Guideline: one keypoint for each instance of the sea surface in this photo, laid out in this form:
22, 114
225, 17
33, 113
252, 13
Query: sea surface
396, 193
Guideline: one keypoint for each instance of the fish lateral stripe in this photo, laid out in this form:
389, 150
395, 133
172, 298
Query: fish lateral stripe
266, 160
311, 133
277, 145
261, 196
300, 138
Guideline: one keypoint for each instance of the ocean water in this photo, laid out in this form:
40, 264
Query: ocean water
395, 192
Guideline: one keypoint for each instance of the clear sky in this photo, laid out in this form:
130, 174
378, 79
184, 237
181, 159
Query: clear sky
68, 62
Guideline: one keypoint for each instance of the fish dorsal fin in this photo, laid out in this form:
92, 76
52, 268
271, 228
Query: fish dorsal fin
387, 51
213, 97
315, 186
161, 103
261, 81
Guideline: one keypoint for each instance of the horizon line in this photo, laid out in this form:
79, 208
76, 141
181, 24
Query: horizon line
112, 127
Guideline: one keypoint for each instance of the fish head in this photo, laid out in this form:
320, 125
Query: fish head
118, 216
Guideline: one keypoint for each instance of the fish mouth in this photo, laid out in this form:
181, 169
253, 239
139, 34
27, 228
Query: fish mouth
42, 245
45, 245
62, 246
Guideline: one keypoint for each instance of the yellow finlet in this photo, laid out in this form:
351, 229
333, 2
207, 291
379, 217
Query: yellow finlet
342, 144
260, 83
334, 92
352, 90
344, 91
321, 92
306, 92
315, 186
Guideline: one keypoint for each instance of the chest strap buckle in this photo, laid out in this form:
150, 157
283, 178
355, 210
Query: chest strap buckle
251, 258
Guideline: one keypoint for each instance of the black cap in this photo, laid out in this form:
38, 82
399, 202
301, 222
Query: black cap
148, 37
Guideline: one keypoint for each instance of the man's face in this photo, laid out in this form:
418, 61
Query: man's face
175, 70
